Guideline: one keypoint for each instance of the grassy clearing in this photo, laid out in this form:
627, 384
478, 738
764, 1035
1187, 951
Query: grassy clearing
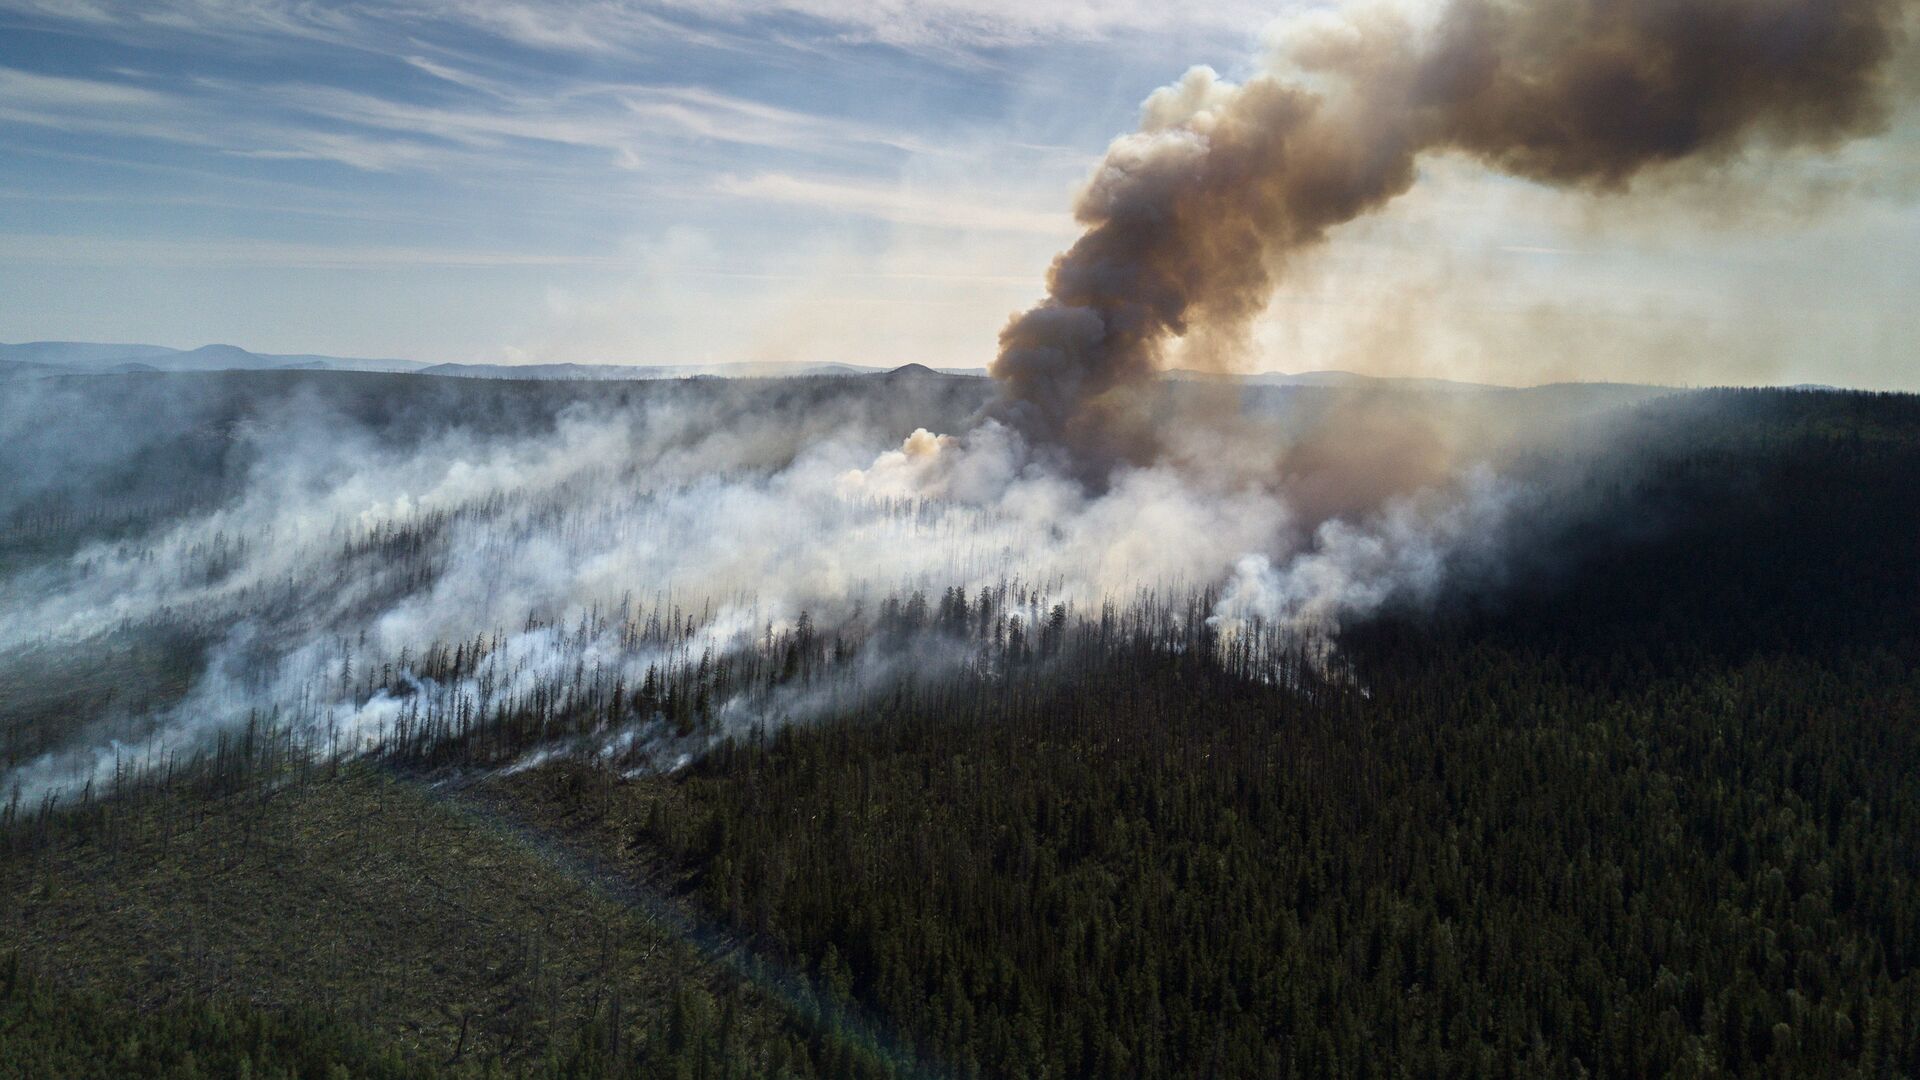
369, 897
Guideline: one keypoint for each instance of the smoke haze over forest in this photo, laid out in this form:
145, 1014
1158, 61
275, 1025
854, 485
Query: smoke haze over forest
314, 537
301, 544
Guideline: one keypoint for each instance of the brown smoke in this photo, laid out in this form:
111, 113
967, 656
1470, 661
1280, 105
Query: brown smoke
1189, 219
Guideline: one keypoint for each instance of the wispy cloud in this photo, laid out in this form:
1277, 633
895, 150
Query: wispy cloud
591, 26
131, 111
30, 90
601, 26
626, 120
710, 114
993, 23
629, 123
138, 21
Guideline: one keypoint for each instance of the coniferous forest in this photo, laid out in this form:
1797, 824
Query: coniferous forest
1629, 787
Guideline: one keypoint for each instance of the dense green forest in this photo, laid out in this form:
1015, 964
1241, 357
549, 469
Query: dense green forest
1638, 794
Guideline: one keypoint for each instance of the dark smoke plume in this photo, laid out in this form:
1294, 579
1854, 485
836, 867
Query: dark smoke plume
1189, 220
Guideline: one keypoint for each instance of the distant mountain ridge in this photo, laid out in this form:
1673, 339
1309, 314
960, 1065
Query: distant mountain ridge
38, 358
41, 359
45, 359
635, 371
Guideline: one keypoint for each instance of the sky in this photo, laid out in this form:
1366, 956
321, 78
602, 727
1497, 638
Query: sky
868, 181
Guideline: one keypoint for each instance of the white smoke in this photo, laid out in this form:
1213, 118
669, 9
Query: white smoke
1351, 569
344, 558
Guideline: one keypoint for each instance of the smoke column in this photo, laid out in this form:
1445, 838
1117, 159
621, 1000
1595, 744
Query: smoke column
1190, 219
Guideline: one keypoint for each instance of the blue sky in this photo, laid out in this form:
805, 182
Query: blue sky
875, 182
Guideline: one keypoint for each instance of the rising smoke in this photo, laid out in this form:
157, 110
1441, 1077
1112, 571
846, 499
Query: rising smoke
1191, 220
